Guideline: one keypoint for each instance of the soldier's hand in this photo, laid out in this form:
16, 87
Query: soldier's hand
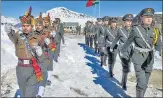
39, 50
111, 50
47, 41
53, 34
121, 54
8, 28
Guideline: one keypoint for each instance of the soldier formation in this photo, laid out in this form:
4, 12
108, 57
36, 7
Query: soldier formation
136, 43
36, 49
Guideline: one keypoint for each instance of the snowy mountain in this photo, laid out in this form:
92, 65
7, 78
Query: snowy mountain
11, 20
67, 15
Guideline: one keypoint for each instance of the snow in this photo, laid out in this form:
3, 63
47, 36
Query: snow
158, 12
11, 20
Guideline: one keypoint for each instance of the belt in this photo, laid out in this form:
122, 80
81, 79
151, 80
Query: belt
24, 62
142, 49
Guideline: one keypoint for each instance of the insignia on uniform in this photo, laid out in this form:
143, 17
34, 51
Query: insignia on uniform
149, 10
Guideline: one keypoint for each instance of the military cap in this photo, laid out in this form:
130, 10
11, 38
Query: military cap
99, 19
27, 18
39, 20
147, 11
127, 17
113, 19
106, 18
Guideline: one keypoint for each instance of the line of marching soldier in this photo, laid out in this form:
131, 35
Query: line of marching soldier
36, 50
137, 43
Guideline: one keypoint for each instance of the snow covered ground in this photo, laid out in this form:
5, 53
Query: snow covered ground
77, 74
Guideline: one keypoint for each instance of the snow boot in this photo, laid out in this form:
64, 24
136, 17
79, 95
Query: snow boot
124, 80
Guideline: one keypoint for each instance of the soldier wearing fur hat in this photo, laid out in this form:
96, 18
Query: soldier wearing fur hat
59, 29
122, 36
110, 34
145, 42
27, 50
47, 26
45, 43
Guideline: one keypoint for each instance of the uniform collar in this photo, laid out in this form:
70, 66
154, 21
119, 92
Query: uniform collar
39, 32
28, 35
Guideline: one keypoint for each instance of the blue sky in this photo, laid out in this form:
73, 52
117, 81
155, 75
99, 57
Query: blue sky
107, 8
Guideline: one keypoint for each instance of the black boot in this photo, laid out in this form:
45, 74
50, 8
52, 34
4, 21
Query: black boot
139, 93
124, 80
110, 71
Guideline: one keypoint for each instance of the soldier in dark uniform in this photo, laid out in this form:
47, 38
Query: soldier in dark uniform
95, 37
91, 35
87, 33
100, 40
27, 50
122, 36
110, 34
143, 54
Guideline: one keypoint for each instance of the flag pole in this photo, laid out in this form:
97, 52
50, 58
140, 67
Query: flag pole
99, 10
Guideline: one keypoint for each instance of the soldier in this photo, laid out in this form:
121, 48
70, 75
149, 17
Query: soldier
95, 37
87, 33
45, 59
79, 29
143, 54
91, 36
110, 34
122, 36
27, 50
47, 25
58, 27
100, 41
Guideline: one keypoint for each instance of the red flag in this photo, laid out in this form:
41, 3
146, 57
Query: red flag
89, 3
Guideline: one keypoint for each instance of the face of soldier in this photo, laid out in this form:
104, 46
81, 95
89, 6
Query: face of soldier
106, 22
27, 28
128, 23
46, 23
39, 27
100, 22
113, 24
147, 20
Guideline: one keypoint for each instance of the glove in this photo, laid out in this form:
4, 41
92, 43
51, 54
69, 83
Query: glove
39, 50
111, 50
47, 41
121, 54
96, 42
8, 28
53, 34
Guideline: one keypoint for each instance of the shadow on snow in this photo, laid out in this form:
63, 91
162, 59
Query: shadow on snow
110, 85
